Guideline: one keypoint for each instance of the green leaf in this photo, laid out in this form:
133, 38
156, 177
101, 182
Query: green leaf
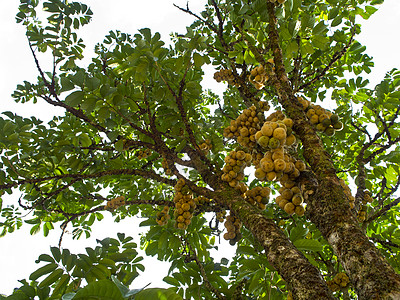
171, 281
43, 271
157, 294
75, 98
45, 257
198, 60
311, 245
102, 290
53, 277
61, 285
66, 84
56, 253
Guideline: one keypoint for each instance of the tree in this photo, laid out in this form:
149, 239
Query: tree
140, 136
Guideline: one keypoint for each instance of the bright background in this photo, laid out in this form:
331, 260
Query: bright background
19, 250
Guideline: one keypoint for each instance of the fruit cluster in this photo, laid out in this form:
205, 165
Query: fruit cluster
145, 153
164, 164
276, 134
340, 280
347, 192
163, 216
362, 213
201, 200
367, 197
258, 76
290, 199
205, 146
221, 216
232, 225
233, 171
277, 164
258, 196
323, 120
184, 204
226, 75
245, 126
115, 203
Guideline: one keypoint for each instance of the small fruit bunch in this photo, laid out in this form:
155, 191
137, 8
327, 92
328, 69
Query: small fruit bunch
245, 127
258, 76
143, 153
276, 134
115, 203
226, 75
235, 163
206, 146
340, 280
277, 164
232, 225
347, 192
184, 204
290, 198
258, 196
164, 164
362, 213
323, 120
221, 216
163, 216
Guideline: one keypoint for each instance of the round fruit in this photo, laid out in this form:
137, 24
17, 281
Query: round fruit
279, 165
289, 208
263, 141
279, 133
274, 143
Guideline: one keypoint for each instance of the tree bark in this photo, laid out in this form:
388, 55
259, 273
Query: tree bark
288, 261
328, 209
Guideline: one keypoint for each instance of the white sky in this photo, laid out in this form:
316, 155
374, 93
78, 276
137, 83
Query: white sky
19, 250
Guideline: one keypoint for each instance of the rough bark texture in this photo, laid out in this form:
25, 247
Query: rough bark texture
328, 209
289, 262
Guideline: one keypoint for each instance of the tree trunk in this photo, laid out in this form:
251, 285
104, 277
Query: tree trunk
289, 262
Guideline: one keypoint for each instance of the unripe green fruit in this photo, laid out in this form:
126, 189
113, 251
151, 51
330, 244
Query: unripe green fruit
274, 143
338, 126
263, 141
330, 131
334, 119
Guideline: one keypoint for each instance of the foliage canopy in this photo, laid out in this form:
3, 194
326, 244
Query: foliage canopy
140, 136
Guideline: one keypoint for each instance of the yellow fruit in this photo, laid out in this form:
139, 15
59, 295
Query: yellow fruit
300, 165
289, 208
267, 165
259, 174
290, 140
271, 176
258, 135
278, 154
288, 122
185, 206
279, 165
279, 133
314, 119
299, 210
267, 129
265, 191
283, 203
297, 199
287, 194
